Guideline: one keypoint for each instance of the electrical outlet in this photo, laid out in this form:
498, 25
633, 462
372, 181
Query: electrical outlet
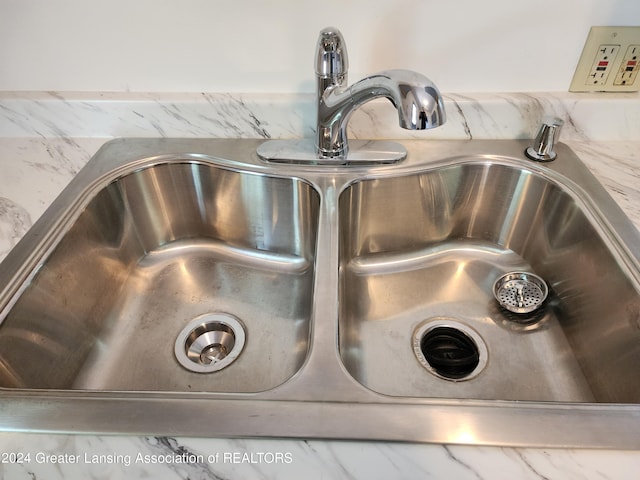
609, 61
629, 67
602, 65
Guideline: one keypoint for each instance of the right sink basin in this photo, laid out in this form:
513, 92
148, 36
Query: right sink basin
420, 255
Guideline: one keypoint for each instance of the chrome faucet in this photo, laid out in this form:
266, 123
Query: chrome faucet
417, 99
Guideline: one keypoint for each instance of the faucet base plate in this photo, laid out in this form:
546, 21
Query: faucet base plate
361, 152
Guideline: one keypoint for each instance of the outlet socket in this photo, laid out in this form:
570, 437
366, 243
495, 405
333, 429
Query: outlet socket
628, 67
609, 61
602, 65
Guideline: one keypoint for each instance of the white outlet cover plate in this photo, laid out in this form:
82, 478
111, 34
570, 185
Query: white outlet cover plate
622, 36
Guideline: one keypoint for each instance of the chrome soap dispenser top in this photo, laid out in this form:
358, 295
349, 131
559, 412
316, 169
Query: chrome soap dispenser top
543, 146
417, 99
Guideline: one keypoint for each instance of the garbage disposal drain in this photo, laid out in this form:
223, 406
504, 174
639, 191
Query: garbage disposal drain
210, 342
449, 349
520, 292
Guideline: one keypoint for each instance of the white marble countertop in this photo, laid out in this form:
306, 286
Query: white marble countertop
38, 158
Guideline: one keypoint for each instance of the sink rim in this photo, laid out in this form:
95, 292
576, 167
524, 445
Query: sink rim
338, 407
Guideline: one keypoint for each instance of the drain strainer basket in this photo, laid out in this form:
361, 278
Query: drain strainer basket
520, 292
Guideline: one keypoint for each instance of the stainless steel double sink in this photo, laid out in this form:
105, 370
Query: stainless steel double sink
187, 287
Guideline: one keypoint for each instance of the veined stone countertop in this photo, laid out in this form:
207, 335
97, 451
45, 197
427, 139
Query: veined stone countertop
45, 138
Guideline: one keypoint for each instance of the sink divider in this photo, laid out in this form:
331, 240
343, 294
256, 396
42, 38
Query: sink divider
323, 361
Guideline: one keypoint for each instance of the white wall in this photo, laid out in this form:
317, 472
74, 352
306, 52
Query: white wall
267, 46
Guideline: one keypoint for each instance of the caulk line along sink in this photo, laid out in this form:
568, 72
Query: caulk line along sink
188, 287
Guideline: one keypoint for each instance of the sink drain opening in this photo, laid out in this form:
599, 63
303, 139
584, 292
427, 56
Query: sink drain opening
449, 349
450, 352
210, 342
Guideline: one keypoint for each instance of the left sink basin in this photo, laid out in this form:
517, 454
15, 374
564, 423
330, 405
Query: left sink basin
162, 256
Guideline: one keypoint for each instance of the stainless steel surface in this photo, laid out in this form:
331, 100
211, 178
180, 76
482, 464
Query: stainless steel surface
542, 149
520, 292
417, 99
432, 244
155, 248
333, 272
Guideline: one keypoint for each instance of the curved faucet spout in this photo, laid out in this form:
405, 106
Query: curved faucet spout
416, 98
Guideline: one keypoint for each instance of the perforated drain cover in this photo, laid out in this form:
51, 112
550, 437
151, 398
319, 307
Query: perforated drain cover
520, 292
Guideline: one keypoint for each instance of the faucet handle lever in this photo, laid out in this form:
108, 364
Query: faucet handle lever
331, 55
548, 134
